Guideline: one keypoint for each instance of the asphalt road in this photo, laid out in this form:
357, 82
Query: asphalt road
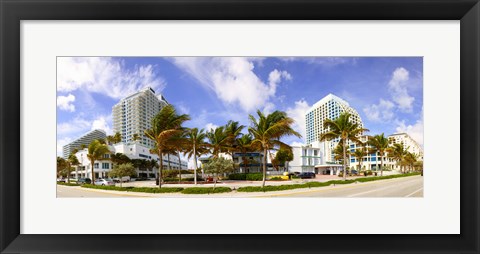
398, 187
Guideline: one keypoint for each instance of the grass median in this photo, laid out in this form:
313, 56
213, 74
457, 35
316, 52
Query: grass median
318, 184
211, 190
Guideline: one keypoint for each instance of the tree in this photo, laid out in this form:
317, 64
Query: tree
218, 166
61, 166
234, 131
344, 129
71, 161
283, 156
359, 153
117, 138
397, 152
218, 140
96, 150
244, 145
267, 132
379, 144
119, 158
195, 147
136, 137
165, 125
122, 170
410, 160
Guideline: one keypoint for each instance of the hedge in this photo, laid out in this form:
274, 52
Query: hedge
135, 189
68, 184
205, 190
246, 176
317, 184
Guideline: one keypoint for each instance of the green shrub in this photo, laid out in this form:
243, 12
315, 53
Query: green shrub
246, 176
276, 178
254, 176
68, 184
205, 190
237, 176
135, 189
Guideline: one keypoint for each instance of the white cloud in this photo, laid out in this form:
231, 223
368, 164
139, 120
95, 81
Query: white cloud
61, 143
298, 114
104, 75
232, 79
210, 126
102, 123
383, 111
415, 131
296, 143
79, 126
66, 102
398, 88
269, 107
74, 126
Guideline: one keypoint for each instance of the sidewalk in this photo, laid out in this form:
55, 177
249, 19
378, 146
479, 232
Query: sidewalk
241, 183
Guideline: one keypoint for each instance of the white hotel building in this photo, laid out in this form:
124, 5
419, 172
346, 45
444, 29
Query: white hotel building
132, 115
317, 156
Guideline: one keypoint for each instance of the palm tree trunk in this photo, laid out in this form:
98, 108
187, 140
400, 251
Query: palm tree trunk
93, 173
160, 164
381, 165
195, 165
264, 166
179, 167
344, 160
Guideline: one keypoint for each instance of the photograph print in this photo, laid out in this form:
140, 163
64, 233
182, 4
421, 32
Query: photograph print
227, 127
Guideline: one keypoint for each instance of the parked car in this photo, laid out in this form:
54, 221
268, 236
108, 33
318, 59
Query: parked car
353, 172
84, 181
306, 175
123, 179
61, 180
104, 182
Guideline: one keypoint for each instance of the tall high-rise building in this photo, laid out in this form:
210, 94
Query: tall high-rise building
133, 115
86, 139
329, 107
408, 143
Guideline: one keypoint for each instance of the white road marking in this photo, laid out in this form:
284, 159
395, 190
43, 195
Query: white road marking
413, 193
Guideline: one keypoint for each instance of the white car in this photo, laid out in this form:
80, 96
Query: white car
104, 182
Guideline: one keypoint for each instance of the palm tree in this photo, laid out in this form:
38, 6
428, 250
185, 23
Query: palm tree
234, 132
344, 129
359, 153
196, 146
267, 132
379, 144
397, 152
165, 125
410, 159
71, 161
117, 138
244, 145
218, 140
110, 139
96, 150
136, 137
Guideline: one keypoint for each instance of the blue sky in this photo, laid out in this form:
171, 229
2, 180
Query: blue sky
387, 92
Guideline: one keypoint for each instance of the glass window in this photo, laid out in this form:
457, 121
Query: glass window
95, 165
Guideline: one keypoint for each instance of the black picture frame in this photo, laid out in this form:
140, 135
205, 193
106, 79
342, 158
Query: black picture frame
13, 11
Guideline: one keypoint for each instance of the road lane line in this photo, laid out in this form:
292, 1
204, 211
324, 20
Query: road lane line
411, 194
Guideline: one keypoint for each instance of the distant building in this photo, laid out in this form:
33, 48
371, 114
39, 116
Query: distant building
134, 113
132, 151
86, 139
329, 107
